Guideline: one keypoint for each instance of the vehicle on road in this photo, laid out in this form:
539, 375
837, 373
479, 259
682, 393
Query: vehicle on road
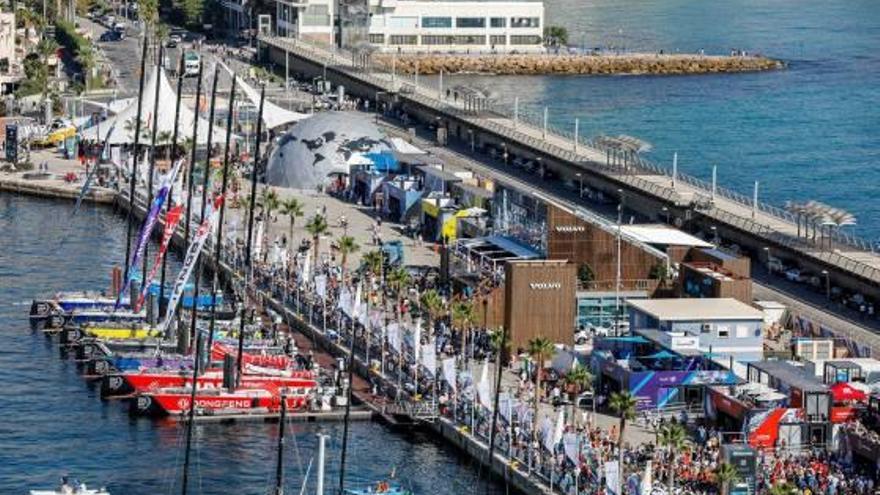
109, 36
191, 63
795, 275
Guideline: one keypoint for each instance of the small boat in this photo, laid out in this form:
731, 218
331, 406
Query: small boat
106, 331
75, 488
176, 401
382, 487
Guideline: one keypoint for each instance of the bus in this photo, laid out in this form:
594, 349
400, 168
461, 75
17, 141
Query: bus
191, 64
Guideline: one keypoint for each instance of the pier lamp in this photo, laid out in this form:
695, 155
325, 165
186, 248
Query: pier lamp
580, 184
471, 134
827, 284
666, 213
715, 239
767, 257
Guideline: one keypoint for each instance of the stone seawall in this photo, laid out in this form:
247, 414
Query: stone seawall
534, 64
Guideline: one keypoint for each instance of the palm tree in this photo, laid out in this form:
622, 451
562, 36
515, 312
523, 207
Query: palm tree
674, 438
581, 378
46, 48
540, 348
726, 474
293, 208
346, 246
372, 261
317, 227
269, 203
398, 279
625, 406
462, 316
432, 303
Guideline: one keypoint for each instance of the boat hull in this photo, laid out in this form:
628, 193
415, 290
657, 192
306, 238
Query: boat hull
121, 384
162, 403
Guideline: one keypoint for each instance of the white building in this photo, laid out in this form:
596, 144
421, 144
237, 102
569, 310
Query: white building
423, 25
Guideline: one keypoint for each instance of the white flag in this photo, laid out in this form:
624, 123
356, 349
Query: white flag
483, 391
258, 238
429, 356
356, 307
417, 340
307, 272
394, 336
560, 427
505, 406
449, 373
321, 285
344, 302
612, 477
571, 445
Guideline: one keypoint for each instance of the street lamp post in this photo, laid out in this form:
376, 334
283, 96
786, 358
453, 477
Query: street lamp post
714, 235
767, 257
580, 184
617, 274
827, 284
666, 214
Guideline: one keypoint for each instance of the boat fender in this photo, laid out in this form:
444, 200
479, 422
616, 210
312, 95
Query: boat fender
101, 367
55, 321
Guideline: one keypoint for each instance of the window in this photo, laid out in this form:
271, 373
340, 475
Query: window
377, 39
470, 40
437, 40
706, 328
723, 332
403, 22
525, 40
437, 22
497, 40
742, 331
403, 39
525, 22
316, 15
470, 22
498, 22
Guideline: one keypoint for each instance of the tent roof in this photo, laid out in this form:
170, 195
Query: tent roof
120, 127
273, 115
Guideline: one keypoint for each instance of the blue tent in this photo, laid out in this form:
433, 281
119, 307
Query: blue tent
663, 354
384, 161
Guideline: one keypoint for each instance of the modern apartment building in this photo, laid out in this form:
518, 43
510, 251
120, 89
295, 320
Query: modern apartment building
416, 25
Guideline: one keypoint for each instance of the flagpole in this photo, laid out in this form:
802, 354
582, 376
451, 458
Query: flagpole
152, 160
171, 190
205, 184
250, 227
133, 183
192, 162
498, 364
218, 246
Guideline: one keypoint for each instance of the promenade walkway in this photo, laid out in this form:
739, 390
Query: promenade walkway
726, 207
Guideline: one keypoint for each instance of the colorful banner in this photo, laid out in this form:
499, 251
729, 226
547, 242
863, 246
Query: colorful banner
429, 357
172, 218
189, 263
147, 228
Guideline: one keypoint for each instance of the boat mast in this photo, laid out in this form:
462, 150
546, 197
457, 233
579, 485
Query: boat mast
192, 161
133, 182
152, 159
250, 230
502, 347
347, 413
219, 244
279, 467
205, 183
173, 157
191, 413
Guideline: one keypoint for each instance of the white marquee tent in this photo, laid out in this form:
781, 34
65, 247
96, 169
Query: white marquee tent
120, 127
273, 115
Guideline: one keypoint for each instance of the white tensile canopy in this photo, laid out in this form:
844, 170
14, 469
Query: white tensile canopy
273, 115
120, 127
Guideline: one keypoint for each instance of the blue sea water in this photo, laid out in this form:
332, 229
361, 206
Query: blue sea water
811, 131
52, 422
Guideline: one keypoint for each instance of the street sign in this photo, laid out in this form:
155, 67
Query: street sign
12, 143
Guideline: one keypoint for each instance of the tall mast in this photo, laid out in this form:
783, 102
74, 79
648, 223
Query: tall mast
250, 227
347, 413
219, 244
279, 467
192, 161
205, 184
502, 348
152, 159
173, 157
137, 141
191, 413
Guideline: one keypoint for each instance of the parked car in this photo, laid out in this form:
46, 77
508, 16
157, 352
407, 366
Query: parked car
585, 400
795, 275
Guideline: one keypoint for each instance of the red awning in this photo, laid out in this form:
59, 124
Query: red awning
844, 392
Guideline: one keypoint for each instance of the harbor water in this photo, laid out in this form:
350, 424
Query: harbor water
52, 422
806, 132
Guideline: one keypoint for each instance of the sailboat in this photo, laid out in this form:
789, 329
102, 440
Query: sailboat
76, 488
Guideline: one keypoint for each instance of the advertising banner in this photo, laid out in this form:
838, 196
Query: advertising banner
171, 221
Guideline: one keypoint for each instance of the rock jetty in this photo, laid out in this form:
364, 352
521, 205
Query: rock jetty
533, 64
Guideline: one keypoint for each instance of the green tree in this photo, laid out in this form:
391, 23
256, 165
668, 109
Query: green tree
725, 474
624, 404
581, 378
555, 36
317, 227
674, 438
432, 302
346, 246
269, 204
585, 274
398, 279
372, 262
293, 208
46, 48
193, 10
462, 315
540, 348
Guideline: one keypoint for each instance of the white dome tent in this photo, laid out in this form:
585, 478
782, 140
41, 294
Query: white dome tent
120, 127
273, 115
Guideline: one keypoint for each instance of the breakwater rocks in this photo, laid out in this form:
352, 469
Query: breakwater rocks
534, 64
